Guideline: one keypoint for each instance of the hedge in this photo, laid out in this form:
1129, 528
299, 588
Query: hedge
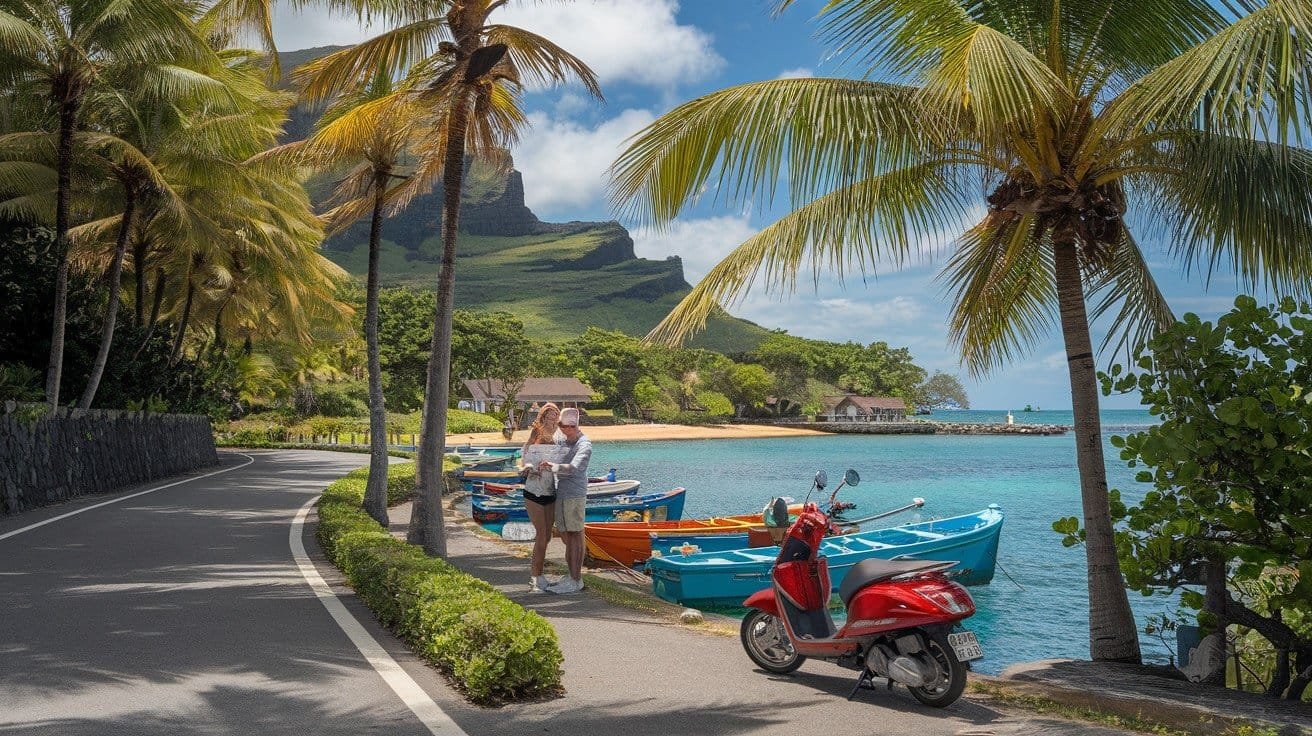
491, 647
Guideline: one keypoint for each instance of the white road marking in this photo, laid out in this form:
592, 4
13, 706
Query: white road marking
83, 510
419, 702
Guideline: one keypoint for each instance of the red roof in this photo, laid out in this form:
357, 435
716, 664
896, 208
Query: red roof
866, 404
535, 389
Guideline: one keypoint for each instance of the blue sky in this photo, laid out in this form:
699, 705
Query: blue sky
654, 54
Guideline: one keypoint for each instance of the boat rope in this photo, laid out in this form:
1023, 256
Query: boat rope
1004, 572
625, 570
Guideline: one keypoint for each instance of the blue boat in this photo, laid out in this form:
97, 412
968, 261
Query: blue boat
729, 577
662, 506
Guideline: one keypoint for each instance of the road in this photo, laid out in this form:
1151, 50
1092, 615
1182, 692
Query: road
183, 611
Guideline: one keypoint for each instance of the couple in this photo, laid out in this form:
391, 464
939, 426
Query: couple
557, 491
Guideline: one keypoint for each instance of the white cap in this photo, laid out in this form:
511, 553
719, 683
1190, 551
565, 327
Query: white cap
569, 417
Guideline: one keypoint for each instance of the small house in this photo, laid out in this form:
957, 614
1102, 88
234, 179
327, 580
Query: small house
854, 408
487, 394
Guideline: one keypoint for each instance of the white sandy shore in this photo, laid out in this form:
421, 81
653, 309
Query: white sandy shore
639, 432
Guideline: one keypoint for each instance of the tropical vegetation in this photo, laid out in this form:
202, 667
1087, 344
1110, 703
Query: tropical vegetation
1230, 468
1034, 144
491, 647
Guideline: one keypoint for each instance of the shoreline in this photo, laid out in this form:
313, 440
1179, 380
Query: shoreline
650, 432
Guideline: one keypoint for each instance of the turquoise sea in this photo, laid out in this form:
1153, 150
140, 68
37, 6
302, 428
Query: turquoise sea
1039, 615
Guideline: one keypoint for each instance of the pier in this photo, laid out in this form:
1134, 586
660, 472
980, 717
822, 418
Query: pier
932, 427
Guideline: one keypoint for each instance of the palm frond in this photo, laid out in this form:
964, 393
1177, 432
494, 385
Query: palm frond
825, 134
538, 60
1253, 75
884, 219
390, 53
1128, 282
1237, 203
1005, 292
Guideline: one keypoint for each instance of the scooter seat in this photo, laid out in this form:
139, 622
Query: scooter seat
868, 572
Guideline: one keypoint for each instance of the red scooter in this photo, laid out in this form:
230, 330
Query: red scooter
901, 616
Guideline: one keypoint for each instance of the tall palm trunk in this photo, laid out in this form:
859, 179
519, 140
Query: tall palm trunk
427, 519
139, 282
176, 353
111, 311
55, 367
375, 493
1112, 633
157, 301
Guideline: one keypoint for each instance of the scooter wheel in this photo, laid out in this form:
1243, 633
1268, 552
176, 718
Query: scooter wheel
766, 642
951, 679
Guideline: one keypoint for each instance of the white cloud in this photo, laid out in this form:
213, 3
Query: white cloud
898, 311
799, 73
701, 243
637, 41
295, 29
565, 162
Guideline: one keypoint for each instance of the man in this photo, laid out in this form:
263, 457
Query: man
571, 497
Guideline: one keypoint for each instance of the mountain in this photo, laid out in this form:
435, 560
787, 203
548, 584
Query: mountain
559, 278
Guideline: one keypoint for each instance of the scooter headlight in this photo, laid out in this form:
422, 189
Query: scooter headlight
946, 599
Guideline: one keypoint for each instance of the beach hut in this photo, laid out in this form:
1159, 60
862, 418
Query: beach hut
488, 394
854, 408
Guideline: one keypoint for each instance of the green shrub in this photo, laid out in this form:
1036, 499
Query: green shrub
460, 421
492, 648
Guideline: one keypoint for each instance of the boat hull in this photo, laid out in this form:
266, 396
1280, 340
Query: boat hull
728, 578
630, 543
602, 489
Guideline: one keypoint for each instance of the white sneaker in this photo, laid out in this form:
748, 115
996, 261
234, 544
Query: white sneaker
538, 584
567, 586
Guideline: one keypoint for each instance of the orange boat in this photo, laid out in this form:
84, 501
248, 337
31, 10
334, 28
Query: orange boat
629, 542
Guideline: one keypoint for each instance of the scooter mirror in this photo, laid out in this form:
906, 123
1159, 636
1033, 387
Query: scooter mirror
821, 480
851, 477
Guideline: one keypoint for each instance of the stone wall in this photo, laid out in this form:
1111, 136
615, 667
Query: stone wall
72, 453
929, 427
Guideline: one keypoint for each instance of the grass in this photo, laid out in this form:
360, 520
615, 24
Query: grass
574, 284
1047, 706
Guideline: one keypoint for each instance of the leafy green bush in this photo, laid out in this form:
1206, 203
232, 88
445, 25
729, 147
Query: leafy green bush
492, 648
461, 421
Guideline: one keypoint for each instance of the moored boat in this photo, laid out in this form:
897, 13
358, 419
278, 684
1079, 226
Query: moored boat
729, 577
630, 542
639, 506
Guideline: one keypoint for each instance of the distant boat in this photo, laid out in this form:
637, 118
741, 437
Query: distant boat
728, 578
637, 507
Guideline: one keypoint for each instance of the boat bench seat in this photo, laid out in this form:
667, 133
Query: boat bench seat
869, 572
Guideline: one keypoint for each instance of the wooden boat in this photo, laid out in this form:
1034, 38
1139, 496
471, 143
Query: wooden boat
597, 488
728, 578
485, 462
635, 507
630, 542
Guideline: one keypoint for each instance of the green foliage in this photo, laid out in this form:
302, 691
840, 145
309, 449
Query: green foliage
19, 382
461, 421
747, 385
492, 648
942, 391
1230, 464
869, 370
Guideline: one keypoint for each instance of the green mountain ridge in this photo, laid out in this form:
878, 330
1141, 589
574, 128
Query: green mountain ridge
559, 278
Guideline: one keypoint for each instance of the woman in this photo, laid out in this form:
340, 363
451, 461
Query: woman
540, 492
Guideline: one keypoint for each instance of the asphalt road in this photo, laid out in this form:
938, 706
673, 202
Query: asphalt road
183, 611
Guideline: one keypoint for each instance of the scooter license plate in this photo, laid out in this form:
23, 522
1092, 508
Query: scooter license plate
965, 645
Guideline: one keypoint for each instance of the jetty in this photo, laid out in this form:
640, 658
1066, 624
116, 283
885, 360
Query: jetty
932, 427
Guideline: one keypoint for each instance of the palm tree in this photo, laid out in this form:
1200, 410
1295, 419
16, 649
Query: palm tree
63, 52
1072, 117
469, 73
369, 132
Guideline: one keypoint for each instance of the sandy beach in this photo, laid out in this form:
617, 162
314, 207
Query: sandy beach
638, 432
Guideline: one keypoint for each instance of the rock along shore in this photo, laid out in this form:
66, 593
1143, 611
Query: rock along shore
930, 427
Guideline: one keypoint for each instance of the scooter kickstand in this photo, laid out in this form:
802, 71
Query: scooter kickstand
865, 681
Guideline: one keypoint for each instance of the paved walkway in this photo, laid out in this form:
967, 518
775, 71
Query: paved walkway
630, 673
182, 611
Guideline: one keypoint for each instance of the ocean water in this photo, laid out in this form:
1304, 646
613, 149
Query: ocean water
1036, 606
